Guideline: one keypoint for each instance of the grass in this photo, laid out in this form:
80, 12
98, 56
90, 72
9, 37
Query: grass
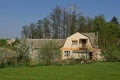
94, 71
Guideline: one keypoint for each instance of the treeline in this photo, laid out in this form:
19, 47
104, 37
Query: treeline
61, 23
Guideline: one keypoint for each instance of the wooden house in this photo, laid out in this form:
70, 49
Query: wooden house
75, 46
78, 46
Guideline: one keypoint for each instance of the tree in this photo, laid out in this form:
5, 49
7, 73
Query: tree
50, 52
89, 24
3, 42
16, 42
25, 31
39, 30
22, 51
112, 53
108, 41
81, 24
46, 28
65, 24
73, 20
114, 20
32, 31
7, 57
99, 22
55, 18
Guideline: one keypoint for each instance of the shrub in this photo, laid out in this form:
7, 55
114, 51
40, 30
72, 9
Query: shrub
7, 57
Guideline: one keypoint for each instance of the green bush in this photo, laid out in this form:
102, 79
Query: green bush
3, 42
7, 57
112, 53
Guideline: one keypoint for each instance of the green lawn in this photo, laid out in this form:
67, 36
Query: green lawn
94, 71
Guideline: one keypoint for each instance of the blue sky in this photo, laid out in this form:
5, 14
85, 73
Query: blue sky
15, 13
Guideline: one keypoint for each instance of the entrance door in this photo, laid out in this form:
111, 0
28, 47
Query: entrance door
90, 55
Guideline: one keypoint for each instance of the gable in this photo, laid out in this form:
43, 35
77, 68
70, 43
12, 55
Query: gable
77, 35
76, 38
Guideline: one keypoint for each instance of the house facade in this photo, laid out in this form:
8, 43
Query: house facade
78, 46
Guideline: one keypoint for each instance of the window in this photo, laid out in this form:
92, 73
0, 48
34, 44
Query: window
83, 41
66, 53
74, 42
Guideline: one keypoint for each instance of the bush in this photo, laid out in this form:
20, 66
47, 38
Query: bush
22, 51
50, 52
7, 57
3, 42
112, 53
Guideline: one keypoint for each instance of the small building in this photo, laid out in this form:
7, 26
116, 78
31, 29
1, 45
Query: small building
78, 46
10, 42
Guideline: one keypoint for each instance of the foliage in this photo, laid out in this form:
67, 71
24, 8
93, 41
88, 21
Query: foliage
112, 53
108, 39
55, 18
114, 20
46, 29
16, 42
22, 51
50, 52
60, 23
73, 20
39, 30
99, 23
7, 57
3, 42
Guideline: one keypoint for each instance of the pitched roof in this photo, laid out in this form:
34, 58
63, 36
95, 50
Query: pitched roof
92, 38
37, 43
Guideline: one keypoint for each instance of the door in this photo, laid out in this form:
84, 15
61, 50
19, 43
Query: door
90, 55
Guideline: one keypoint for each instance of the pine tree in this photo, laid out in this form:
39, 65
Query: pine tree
55, 18
73, 20
46, 28
39, 26
114, 20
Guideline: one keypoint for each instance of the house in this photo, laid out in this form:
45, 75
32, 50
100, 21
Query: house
79, 46
10, 42
75, 46
36, 45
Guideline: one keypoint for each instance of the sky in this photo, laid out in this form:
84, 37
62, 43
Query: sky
16, 13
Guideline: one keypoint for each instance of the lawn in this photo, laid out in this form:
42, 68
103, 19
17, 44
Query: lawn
93, 71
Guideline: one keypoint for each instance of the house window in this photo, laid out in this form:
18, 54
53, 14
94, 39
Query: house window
66, 53
83, 41
74, 42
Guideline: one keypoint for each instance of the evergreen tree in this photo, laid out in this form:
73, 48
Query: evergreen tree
89, 24
32, 29
46, 28
81, 24
25, 31
55, 18
73, 20
65, 24
99, 22
39, 26
114, 20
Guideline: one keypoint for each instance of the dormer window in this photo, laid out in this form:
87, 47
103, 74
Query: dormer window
74, 42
